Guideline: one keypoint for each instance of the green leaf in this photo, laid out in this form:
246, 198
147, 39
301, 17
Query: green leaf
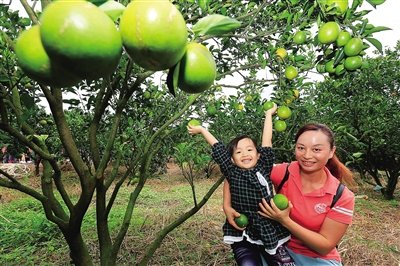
310, 11
27, 100
203, 4
284, 15
356, 3
4, 78
375, 43
376, 29
113, 9
374, 3
215, 25
339, 56
41, 137
357, 154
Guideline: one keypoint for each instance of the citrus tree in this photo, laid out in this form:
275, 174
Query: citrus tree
364, 112
139, 79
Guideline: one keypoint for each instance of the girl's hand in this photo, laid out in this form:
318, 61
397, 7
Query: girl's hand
231, 214
194, 130
273, 212
272, 110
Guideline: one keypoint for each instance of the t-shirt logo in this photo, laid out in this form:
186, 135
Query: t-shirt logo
320, 208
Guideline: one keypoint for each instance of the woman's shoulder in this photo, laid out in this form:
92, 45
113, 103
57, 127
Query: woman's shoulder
281, 167
279, 170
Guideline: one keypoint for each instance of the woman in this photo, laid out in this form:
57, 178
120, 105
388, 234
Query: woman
313, 180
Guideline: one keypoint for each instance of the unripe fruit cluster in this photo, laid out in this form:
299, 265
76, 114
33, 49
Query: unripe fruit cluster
345, 55
78, 40
75, 40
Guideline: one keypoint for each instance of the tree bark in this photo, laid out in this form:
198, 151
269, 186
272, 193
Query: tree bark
78, 250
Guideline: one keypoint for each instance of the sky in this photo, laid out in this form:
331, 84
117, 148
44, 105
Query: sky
388, 15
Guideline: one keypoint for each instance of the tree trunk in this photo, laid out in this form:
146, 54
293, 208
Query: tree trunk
393, 178
78, 250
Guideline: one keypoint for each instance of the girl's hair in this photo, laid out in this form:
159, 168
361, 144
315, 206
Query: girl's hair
233, 143
335, 166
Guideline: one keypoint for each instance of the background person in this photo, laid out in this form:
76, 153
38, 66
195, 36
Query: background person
5, 155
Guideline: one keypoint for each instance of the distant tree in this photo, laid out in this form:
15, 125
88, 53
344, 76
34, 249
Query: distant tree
364, 111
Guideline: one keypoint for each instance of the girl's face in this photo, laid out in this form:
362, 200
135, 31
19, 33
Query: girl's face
313, 150
245, 155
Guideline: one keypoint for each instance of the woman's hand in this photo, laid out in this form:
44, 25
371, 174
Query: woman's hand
273, 212
231, 214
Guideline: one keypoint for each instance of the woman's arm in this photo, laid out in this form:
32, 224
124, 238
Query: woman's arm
230, 212
322, 242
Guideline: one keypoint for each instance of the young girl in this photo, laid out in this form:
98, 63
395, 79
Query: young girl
247, 169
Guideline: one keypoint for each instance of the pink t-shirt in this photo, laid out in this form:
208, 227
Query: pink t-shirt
309, 210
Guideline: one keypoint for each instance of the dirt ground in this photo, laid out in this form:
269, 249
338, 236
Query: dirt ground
373, 238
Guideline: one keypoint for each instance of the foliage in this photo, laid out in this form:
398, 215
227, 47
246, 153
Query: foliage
363, 110
129, 123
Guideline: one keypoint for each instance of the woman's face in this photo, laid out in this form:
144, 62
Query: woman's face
313, 150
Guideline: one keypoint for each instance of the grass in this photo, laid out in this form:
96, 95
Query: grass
27, 238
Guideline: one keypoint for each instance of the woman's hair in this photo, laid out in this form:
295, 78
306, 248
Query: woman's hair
335, 166
233, 143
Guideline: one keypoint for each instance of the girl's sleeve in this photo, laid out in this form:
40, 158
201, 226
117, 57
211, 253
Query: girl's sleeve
222, 158
267, 155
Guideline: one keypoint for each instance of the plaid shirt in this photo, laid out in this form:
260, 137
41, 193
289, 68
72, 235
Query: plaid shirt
246, 194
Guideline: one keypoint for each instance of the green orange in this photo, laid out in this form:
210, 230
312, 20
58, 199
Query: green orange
248, 98
238, 106
291, 72
268, 105
283, 112
211, 110
296, 93
340, 5
330, 67
328, 32
353, 62
281, 53
147, 95
353, 47
80, 36
197, 69
300, 37
36, 64
340, 70
194, 122
343, 38
154, 33
281, 201
242, 220
280, 125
